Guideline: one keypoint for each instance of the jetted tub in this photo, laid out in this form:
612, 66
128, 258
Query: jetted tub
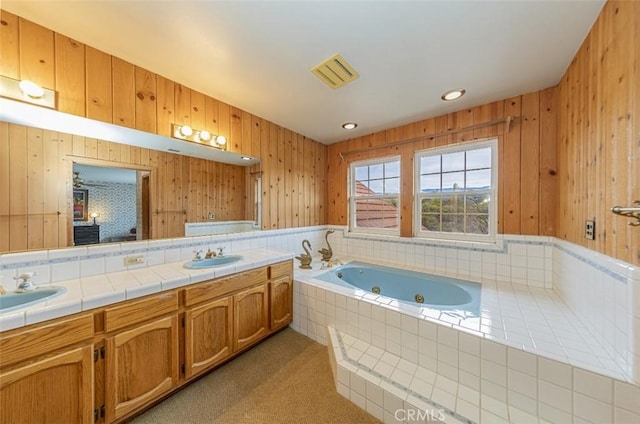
417, 288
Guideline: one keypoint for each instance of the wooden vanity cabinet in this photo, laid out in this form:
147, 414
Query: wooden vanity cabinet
250, 316
47, 373
281, 295
141, 353
208, 335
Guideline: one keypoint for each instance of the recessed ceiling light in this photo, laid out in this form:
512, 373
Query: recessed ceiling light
245, 158
453, 94
349, 125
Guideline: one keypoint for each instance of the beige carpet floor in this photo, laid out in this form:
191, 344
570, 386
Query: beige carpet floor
285, 379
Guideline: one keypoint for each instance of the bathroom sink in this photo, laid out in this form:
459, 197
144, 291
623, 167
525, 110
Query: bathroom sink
14, 300
213, 262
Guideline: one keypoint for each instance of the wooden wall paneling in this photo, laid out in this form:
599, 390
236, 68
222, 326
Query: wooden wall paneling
36, 54
99, 94
321, 176
124, 93
441, 124
53, 189
294, 172
9, 45
197, 110
623, 140
65, 184
300, 181
486, 113
91, 147
78, 145
635, 143
235, 132
461, 119
115, 152
146, 110
548, 165
608, 132
274, 175
406, 180
287, 162
224, 122
125, 153
182, 105
247, 141
195, 209
35, 189
509, 173
18, 195
265, 155
5, 185
169, 192
530, 164
165, 105
315, 206
180, 218
308, 193
211, 115
103, 149
70, 75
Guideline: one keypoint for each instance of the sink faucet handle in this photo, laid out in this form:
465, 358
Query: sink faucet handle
220, 251
25, 276
197, 255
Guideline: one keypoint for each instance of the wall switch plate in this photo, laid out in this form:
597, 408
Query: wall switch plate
212, 216
590, 230
133, 260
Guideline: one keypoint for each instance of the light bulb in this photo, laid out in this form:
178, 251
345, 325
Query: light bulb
31, 89
186, 130
221, 140
205, 135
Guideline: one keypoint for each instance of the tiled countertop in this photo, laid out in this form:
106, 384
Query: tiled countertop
100, 290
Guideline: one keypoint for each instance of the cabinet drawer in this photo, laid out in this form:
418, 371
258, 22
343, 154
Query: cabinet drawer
140, 310
39, 339
222, 286
281, 268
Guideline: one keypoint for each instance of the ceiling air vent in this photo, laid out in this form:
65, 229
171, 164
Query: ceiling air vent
335, 71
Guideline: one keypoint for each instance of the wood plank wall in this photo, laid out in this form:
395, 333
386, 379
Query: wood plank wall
527, 163
36, 186
599, 134
96, 85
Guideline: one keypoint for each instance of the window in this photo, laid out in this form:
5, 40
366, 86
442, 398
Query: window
375, 196
456, 191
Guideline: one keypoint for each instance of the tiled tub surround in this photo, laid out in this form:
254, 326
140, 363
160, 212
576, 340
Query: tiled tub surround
96, 275
602, 292
546, 354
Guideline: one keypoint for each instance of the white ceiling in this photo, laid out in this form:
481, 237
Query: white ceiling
257, 55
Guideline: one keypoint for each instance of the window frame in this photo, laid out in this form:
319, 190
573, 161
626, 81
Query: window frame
352, 197
490, 237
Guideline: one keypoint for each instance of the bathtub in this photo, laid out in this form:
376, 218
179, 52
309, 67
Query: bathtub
525, 354
460, 297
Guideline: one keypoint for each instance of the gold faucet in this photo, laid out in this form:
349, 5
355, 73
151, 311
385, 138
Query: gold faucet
2, 291
209, 254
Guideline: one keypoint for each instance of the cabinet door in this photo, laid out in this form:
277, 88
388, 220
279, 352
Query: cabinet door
208, 335
281, 292
250, 311
57, 389
141, 365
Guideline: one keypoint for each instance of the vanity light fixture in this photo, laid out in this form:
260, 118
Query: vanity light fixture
349, 125
453, 94
27, 91
185, 132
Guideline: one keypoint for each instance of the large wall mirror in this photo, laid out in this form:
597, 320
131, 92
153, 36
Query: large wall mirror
68, 181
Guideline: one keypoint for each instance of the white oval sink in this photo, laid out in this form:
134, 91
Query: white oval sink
213, 262
15, 300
